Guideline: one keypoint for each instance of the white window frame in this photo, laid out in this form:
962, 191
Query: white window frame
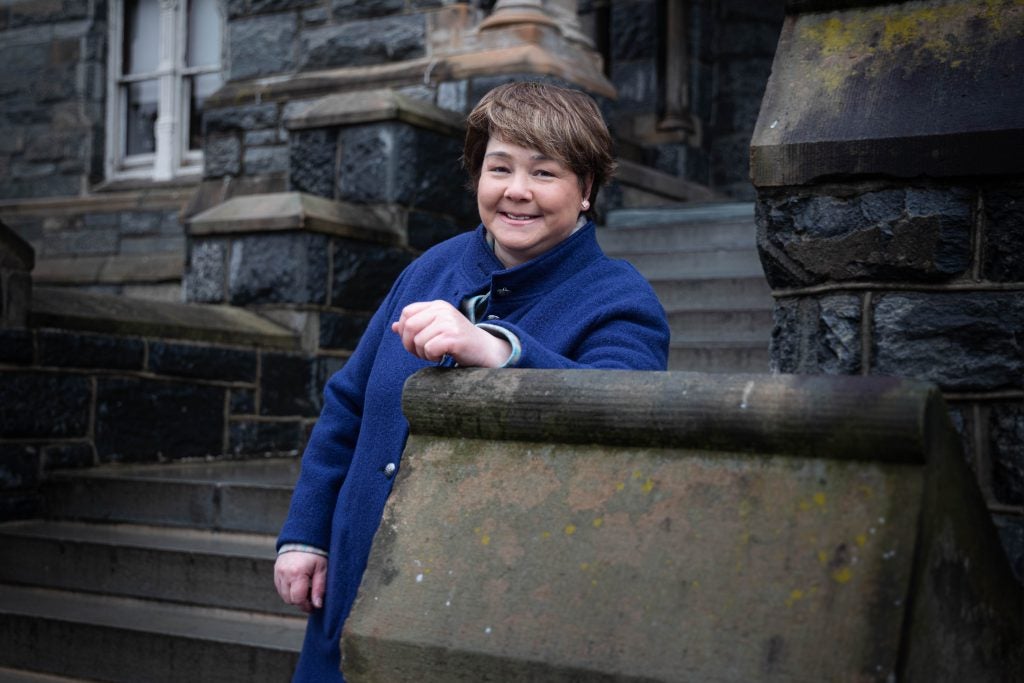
172, 158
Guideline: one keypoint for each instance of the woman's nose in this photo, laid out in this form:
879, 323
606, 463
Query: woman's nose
517, 187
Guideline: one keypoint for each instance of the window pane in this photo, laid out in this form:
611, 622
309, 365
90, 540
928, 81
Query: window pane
141, 49
197, 89
140, 134
203, 33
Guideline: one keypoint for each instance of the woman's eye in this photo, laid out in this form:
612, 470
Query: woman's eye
498, 169
544, 173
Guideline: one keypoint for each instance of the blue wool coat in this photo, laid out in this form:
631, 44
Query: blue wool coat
571, 307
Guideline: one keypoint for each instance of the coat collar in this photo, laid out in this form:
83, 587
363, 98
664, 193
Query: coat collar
536, 276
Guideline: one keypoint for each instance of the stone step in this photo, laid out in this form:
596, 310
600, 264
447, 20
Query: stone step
692, 213
731, 357
126, 640
248, 496
753, 326
714, 293
697, 264
620, 242
211, 568
22, 676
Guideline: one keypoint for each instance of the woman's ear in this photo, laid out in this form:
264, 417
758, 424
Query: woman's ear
588, 185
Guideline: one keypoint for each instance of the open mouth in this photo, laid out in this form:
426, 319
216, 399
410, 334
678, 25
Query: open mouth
518, 216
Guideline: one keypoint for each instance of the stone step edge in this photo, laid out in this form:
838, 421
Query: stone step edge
236, 627
25, 676
194, 541
159, 473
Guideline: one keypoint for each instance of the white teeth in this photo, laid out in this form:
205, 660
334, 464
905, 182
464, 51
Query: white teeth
518, 217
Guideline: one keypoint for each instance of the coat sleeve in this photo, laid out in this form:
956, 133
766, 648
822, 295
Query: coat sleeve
622, 325
328, 455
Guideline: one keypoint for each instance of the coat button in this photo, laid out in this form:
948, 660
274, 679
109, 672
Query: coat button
389, 470
493, 317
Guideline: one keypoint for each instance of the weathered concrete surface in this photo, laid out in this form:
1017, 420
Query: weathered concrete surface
618, 526
911, 88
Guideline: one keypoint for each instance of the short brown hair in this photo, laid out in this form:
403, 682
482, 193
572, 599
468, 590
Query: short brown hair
563, 124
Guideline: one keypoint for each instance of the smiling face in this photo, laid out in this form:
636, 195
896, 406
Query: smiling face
527, 201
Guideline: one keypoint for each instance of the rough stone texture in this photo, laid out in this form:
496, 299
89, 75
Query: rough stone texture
363, 273
342, 330
19, 466
68, 456
278, 268
313, 155
917, 235
425, 229
962, 417
15, 347
222, 155
637, 85
262, 6
142, 420
364, 42
967, 341
1011, 531
1003, 259
247, 117
36, 405
76, 350
262, 45
202, 362
206, 275
1006, 449
346, 10
287, 386
260, 160
817, 336
242, 402
261, 437
635, 30
395, 162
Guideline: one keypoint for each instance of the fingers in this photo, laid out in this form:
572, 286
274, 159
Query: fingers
431, 329
301, 579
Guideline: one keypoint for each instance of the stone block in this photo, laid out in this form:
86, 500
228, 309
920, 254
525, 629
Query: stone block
20, 466
342, 331
242, 401
966, 341
1011, 532
903, 234
206, 275
251, 437
394, 162
752, 39
347, 10
152, 245
363, 273
287, 386
15, 347
144, 420
1006, 451
202, 362
140, 222
817, 336
261, 138
278, 268
962, 417
47, 12
635, 30
249, 117
222, 155
364, 42
78, 350
68, 456
38, 405
312, 159
1003, 259
263, 6
427, 229
265, 160
262, 45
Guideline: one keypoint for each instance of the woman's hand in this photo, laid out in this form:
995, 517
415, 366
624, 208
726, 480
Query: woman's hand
301, 579
431, 329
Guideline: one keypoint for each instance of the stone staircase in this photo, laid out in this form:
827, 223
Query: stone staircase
702, 261
150, 573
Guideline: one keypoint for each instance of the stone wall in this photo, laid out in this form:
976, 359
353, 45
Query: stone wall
52, 89
96, 379
891, 236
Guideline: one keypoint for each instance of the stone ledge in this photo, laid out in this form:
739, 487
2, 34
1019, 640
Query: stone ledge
121, 269
287, 211
138, 197
75, 310
630, 174
368, 106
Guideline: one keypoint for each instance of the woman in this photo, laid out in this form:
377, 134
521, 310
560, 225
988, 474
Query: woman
530, 287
